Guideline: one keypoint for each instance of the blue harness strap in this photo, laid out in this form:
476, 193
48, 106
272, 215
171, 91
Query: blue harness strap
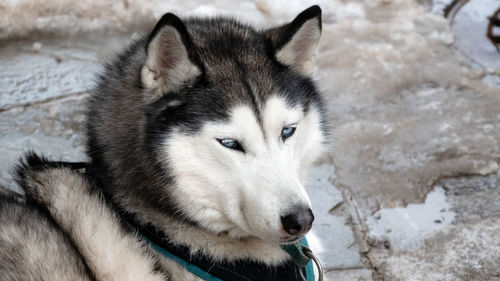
204, 275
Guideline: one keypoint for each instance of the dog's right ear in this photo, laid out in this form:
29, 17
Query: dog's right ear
171, 62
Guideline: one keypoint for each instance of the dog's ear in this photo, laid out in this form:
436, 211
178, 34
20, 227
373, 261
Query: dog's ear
171, 62
295, 43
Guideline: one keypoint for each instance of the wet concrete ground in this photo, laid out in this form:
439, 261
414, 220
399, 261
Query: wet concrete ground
411, 187
469, 20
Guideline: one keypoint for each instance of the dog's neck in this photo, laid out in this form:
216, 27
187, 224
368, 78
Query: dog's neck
218, 247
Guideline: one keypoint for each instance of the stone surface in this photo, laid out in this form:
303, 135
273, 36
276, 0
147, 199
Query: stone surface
415, 127
349, 275
52, 129
405, 108
331, 238
44, 70
467, 20
466, 252
406, 111
473, 198
467, 249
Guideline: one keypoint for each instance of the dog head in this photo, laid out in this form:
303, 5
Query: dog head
236, 121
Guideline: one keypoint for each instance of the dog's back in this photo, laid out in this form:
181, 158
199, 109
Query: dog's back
32, 247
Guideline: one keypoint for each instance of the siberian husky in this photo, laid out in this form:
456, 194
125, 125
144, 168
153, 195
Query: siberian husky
200, 135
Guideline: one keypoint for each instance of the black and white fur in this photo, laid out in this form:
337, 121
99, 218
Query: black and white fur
186, 132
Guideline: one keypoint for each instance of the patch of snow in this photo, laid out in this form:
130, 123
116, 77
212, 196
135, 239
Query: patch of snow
37, 46
350, 10
490, 168
444, 127
407, 228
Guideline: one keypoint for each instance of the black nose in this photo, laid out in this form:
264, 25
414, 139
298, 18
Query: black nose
298, 221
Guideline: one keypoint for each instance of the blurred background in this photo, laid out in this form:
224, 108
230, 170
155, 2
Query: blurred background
410, 189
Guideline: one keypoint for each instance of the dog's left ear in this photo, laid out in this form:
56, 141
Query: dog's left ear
295, 43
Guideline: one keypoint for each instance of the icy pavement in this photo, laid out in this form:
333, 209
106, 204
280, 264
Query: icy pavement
411, 188
467, 22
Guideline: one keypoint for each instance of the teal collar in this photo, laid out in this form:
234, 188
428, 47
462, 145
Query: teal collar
299, 257
241, 270
187, 265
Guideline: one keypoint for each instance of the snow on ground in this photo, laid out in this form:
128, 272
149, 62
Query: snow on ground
410, 189
20, 18
407, 228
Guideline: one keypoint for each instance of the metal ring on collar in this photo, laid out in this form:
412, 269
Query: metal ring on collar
310, 254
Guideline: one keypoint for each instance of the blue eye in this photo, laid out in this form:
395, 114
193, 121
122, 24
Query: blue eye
287, 132
230, 143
